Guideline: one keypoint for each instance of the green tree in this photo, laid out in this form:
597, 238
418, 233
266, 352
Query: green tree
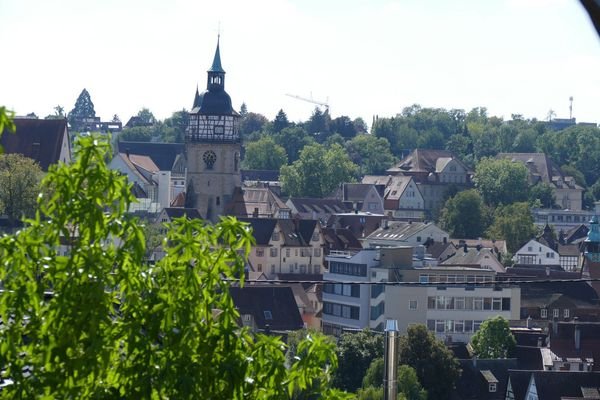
513, 223
465, 215
344, 126
501, 181
374, 374
119, 328
264, 154
19, 186
542, 194
293, 140
318, 125
436, 367
356, 352
280, 122
371, 153
570, 170
84, 108
250, 123
408, 382
146, 116
318, 171
137, 134
493, 339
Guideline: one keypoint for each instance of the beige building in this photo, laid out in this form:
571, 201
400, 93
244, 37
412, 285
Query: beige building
286, 246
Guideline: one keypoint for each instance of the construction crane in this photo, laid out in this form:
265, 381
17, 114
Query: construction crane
311, 100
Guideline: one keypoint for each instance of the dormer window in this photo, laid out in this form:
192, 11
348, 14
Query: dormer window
492, 387
268, 315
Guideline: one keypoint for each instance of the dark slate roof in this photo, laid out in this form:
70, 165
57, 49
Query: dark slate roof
177, 212
577, 232
529, 357
358, 191
553, 385
163, 154
360, 224
340, 239
476, 376
300, 277
470, 257
436, 249
49, 133
262, 229
263, 175
216, 65
279, 301
563, 342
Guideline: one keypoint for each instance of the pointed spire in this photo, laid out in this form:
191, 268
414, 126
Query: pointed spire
197, 99
216, 65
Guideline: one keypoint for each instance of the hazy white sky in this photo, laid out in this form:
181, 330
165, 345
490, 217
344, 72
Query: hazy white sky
366, 57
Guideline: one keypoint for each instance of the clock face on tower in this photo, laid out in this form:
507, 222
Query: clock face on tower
209, 158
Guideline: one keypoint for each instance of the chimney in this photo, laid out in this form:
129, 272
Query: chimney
528, 322
539, 341
474, 361
445, 240
547, 271
465, 249
478, 247
127, 152
555, 326
577, 337
255, 212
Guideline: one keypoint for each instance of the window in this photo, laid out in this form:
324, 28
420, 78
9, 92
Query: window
506, 304
476, 325
273, 251
419, 239
544, 313
275, 236
555, 313
459, 326
566, 313
492, 387
260, 252
497, 303
459, 303
287, 252
315, 237
487, 303
259, 267
423, 278
431, 324
477, 303
439, 326
317, 252
431, 303
304, 252
268, 314
412, 305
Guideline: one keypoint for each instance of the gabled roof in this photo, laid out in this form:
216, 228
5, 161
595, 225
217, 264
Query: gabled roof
493, 244
257, 202
477, 375
319, 206
357, 192
176, 212
541, 168
360, 224
425, 160
377, 179
162, 154
577, 232
38, 139
143, 162
262, 229
269, 305
297, 232
436, 249
470, 257
553, 385
340, 239
396, 187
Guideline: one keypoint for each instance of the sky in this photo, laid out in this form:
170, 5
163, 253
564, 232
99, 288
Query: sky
362, 57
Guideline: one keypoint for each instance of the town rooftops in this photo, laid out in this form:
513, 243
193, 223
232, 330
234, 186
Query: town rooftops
554, 385
270, 305
294, 232
39, 139
424, 161
317, 206
162, 154
176, 212
398, 230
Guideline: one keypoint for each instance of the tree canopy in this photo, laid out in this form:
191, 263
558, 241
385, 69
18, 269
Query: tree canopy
264, 154
501, 181
465, 215
84, 108
370, 153
101, 323
318, 171
356, 352
493, 339
20, 178
436, 367
514, 223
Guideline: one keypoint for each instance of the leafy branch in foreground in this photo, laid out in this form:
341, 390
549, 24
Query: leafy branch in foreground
116, 327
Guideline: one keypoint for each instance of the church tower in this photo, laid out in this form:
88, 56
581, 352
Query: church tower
212, 145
